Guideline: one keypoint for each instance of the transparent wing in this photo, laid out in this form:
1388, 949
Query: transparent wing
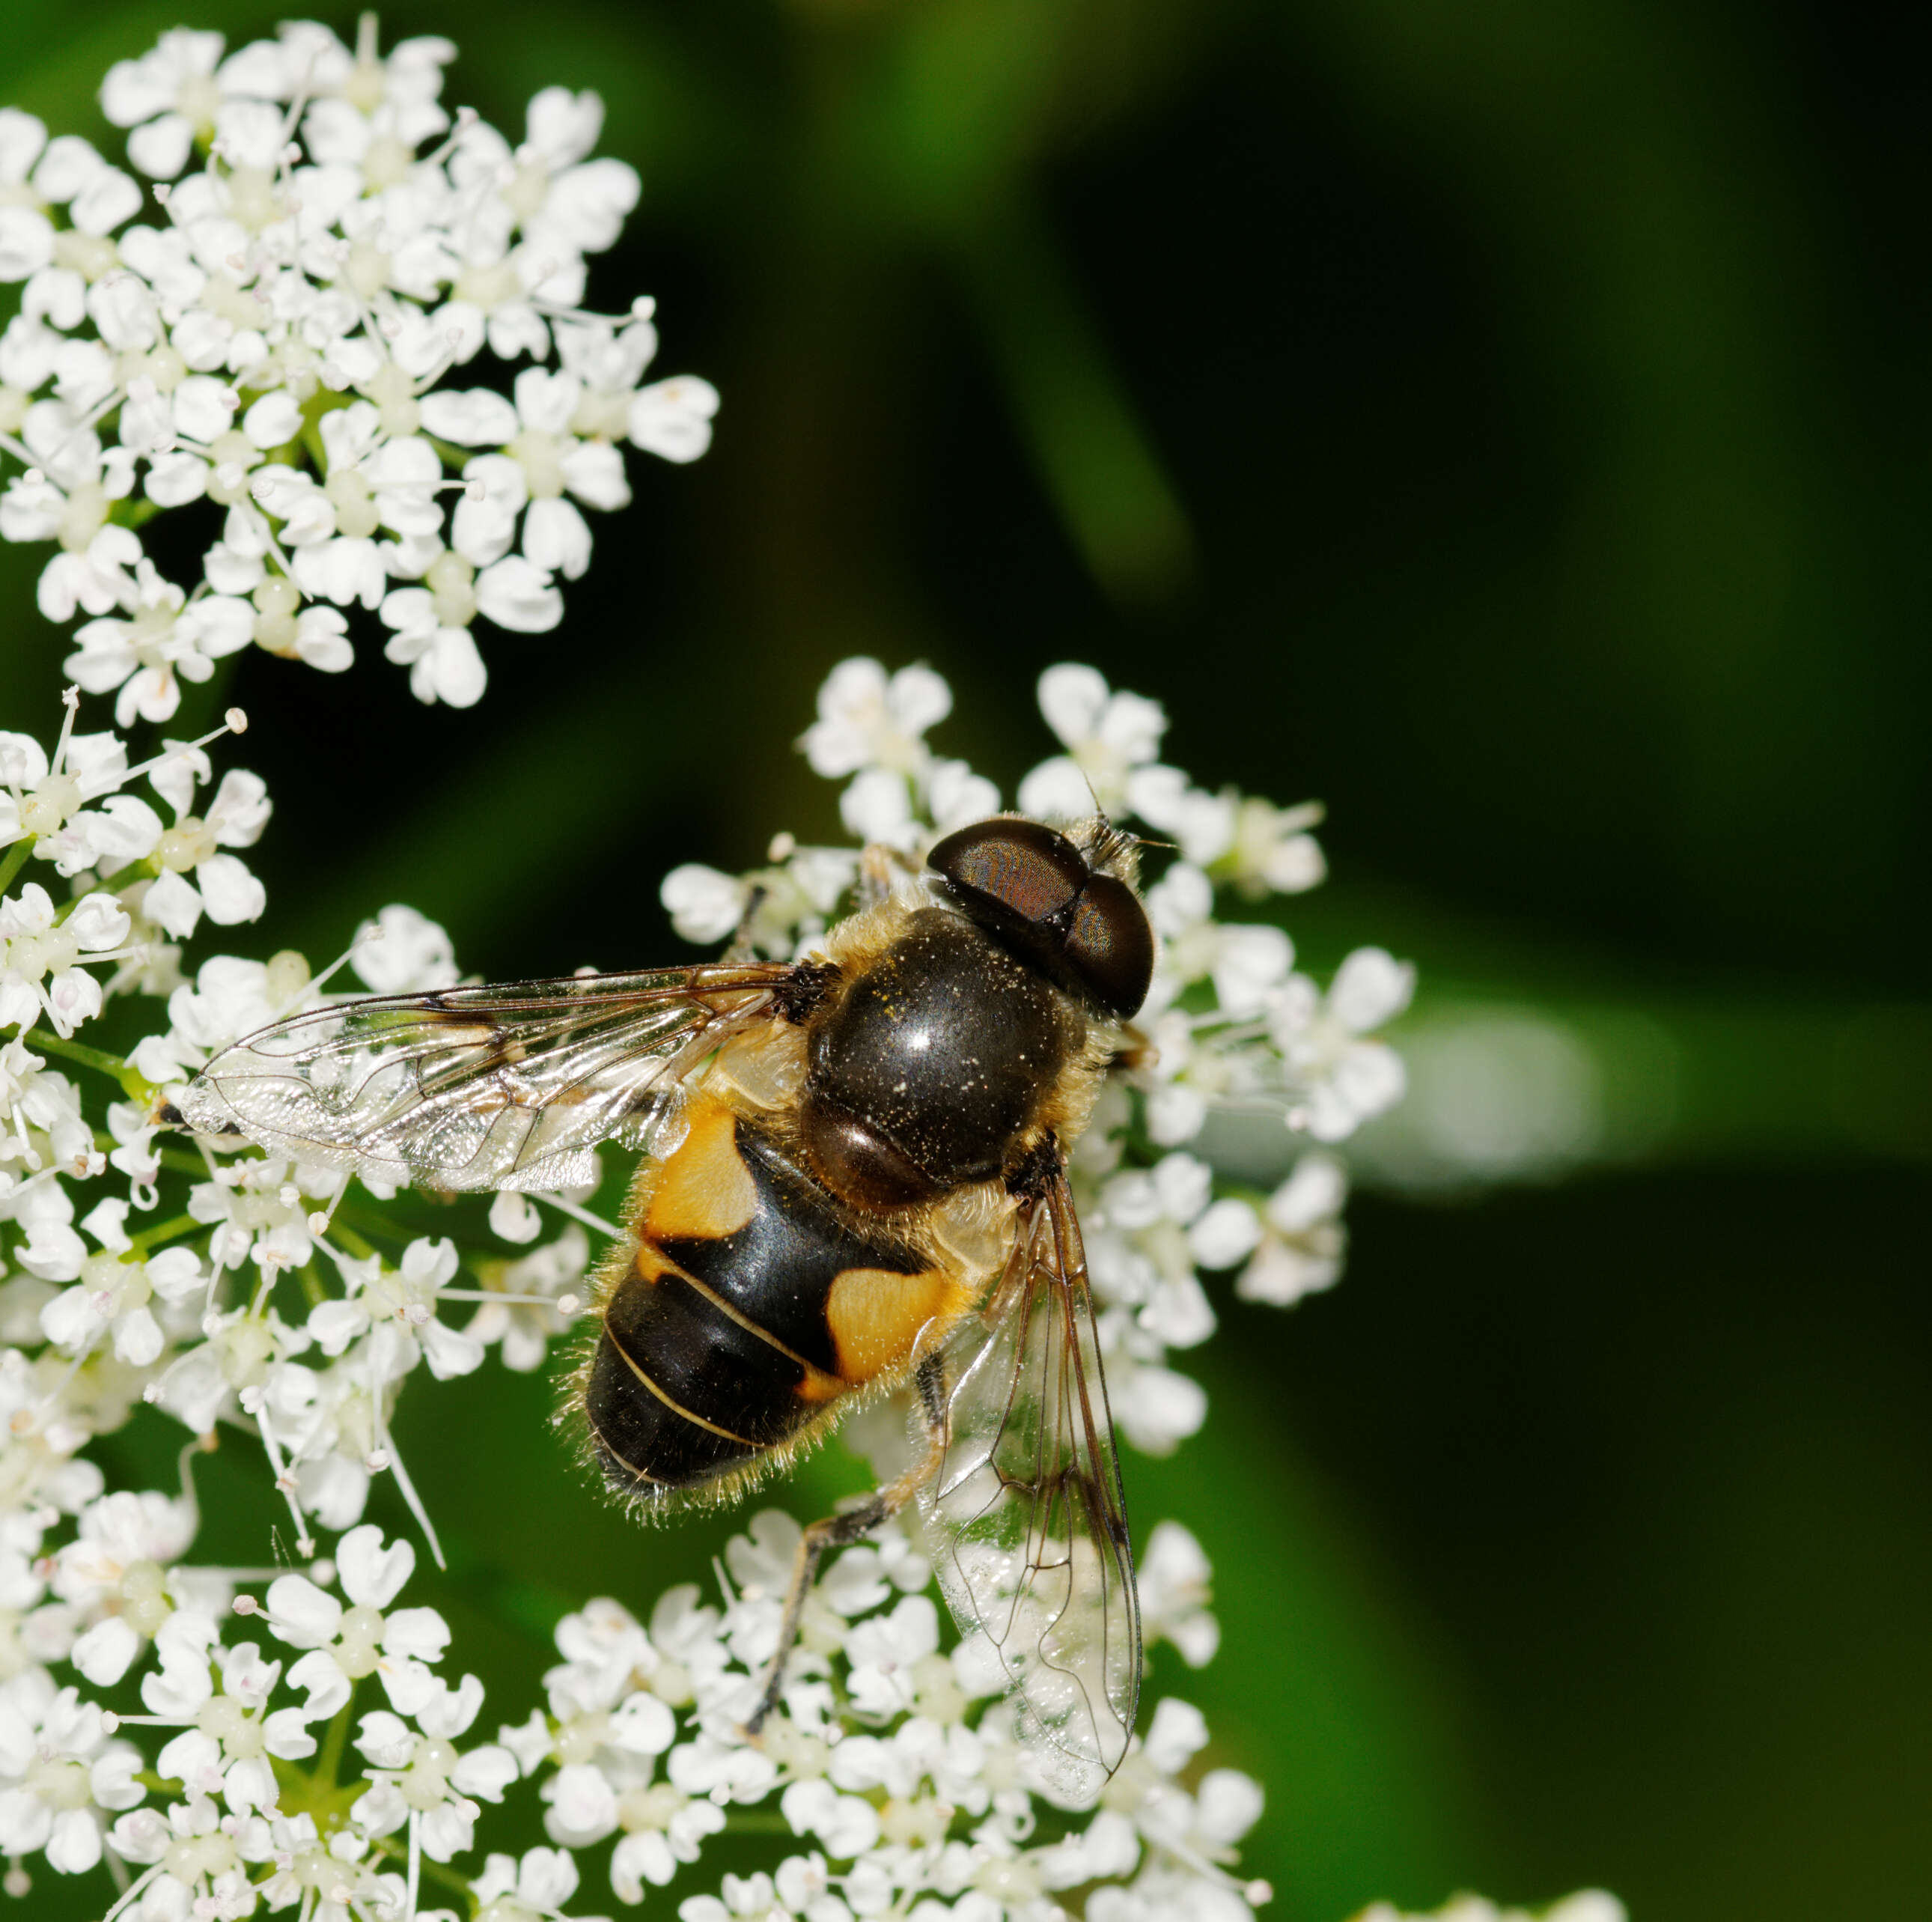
509, 1087
1025, 1515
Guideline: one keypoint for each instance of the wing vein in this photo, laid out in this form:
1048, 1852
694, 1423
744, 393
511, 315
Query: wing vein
500, 1087
1026, 1514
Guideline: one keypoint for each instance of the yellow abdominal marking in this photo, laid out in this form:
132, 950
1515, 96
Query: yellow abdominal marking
876, 1316
704, 1192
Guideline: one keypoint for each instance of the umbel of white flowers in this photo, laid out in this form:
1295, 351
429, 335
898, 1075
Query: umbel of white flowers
226, 1294
176, 1725
272, 311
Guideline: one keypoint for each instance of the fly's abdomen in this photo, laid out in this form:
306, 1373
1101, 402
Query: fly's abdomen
753, 1301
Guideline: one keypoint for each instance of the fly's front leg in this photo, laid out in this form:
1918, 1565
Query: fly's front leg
841, 1531
743, 947
1136, 1051
879, 866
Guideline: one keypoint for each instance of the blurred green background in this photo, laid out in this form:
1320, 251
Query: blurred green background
1505, 422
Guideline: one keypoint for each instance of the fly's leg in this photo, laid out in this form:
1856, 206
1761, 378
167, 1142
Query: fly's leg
841, 1531
743, 947
879, 866
875, 874
1136, 1050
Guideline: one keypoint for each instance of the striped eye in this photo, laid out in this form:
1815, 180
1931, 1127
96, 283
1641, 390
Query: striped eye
1110, 946
1015, 875
1029, 883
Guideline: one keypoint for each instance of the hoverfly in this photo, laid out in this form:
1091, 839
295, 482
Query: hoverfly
854, 1180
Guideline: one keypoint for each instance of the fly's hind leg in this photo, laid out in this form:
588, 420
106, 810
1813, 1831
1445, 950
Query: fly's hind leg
841, 1531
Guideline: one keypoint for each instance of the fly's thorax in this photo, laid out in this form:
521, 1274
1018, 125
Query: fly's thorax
933, 1064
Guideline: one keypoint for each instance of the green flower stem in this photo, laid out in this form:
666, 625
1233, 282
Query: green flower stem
134, 1085
434, 1871
15, 859
328, 1763
756, 1821
324, 400
350, 1238
165, 1231
53, 1044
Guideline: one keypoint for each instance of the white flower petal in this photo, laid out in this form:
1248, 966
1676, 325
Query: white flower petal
108, 198
672, 419
1072, 697
229, 891
23, 137
103, 1655
487, 1772
372, 1576
74, 1846
1314, 1192
302, 1614
556, 539
1177, 1735
328, 1689
582, 1805
173, 904
384, 1740
1056, 790
519, 596
26, 242
138, 1340
161, 148
418, 1632
476, 417
409, 954
274, 419
704, 905
1229, 1232
1371, 986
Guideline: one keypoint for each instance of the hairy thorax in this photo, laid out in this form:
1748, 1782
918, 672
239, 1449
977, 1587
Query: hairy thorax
933, 1064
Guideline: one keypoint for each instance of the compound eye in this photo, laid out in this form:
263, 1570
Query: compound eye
1110, 946
1015, 875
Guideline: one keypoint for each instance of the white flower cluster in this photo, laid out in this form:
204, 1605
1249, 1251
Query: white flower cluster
219, 1291
891, 1755
1230, 1022
1585, 1906
221, 1740
271, 324
891, 1760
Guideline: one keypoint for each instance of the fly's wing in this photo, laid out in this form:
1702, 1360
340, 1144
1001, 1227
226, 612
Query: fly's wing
1025, 1515
509, 1087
